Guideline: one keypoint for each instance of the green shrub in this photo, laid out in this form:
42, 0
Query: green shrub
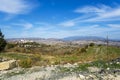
57, 62
99, 45
36, 57
99, 63
82, 67
10, 45
91, 44
26, 63
67, 52
83, 50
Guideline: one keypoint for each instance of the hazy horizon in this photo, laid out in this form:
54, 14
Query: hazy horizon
65, 37
60, 18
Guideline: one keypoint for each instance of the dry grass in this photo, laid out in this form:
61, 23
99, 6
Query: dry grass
93, 53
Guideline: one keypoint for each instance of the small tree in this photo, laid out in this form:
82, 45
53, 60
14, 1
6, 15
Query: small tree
2, 42
91, 44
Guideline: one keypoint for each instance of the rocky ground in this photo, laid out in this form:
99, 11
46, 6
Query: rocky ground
60, 72
64, 72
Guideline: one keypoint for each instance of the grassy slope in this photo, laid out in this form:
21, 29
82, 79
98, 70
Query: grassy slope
93, 54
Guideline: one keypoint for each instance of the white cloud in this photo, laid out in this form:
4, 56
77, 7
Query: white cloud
14, 6
25, 25
92, 9
74, 21
49, 31
103, 13
92, 14
112, 15
67, 24
114, 25
91, 30
28, 25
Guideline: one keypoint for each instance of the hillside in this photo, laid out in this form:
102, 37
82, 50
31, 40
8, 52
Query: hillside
56, 62
92, 64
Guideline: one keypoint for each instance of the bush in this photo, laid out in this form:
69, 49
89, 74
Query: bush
91, 44
67, 52
36, 57
100, 45
56, 62
83, 50
26, 63
10, 45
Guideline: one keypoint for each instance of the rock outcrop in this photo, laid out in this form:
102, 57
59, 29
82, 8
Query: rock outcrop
7, 64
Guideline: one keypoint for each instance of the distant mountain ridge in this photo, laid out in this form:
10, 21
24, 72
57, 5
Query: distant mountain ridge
71, 38
31, 39
76, 38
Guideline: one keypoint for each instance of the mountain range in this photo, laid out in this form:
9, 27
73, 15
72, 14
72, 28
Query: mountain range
71, 38
76, 38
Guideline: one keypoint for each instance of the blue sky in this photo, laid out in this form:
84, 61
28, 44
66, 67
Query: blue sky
60, 18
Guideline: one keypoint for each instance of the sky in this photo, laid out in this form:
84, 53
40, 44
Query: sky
60, 18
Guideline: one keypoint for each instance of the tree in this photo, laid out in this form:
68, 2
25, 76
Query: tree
2, 42
91, 44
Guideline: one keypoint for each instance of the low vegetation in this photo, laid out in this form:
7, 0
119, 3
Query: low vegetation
25, 63
34, 54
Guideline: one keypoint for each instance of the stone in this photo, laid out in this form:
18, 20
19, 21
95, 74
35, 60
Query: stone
118, 63
91, 77
94, 69
81, 77
75, 64
7, 65
68, 65
102, 71
108, 68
